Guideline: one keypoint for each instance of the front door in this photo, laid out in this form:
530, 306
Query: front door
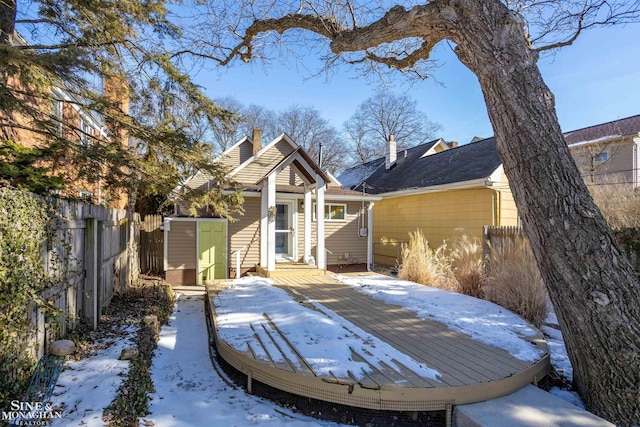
212, 250
284, 230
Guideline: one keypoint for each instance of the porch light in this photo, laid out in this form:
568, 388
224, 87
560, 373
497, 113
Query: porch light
271, 213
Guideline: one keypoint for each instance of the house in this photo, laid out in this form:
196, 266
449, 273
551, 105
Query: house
443, 189
294, 212
60, 107
608, 153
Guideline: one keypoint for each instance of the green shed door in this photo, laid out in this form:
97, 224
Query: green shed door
212, 251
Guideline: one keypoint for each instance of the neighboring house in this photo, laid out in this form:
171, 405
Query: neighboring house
74, 123
444, 190
283, 190
608, 153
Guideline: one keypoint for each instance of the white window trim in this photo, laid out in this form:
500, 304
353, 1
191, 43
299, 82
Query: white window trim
602, 153
344, 206
85, 131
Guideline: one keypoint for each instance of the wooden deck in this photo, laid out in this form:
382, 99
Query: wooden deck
470, 371
291, 269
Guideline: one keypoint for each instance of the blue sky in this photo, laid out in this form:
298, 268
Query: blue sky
596, 80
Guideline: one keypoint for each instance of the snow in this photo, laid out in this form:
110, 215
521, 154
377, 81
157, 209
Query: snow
558, 352
354, 176
190, 392
324, 339
86, 387
482, 320
593, 141
568, 396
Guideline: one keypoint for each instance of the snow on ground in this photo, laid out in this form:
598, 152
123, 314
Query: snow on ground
323, 338
558, 352
189, 392
560, 359
482, 320
86, 387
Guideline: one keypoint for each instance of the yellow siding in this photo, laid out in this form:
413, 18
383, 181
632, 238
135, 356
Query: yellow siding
263, 164
243, 231
506, 210
618, 168
181, 248
341, 236
442, 216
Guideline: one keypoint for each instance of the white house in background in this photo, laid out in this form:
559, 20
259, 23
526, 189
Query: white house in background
608, 152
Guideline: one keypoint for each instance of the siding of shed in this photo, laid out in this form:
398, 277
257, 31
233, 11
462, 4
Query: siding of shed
182, 253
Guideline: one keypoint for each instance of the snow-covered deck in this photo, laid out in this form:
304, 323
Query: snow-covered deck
339, 341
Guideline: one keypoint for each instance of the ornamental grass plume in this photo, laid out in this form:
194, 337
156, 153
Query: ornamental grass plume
468, 266
514, 281
421, 264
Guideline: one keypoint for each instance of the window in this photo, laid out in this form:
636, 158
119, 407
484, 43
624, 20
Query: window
86, 132
601, 157
85, 195
56, 113
333, 212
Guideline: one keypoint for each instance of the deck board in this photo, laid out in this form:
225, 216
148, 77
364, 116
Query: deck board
429, 342
469, 370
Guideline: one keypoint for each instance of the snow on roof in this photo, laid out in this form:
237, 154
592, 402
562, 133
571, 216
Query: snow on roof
595, 141
353, 177
482, 320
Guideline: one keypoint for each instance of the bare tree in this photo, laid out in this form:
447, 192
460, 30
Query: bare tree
308, 129
591, 283
385, 114
257, 116
225, 133
303, 124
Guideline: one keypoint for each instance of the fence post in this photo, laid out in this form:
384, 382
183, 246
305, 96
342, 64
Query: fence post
90, 298
485, 242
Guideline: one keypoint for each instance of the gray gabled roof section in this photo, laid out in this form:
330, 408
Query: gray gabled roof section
603, 132
354, 177
464, 163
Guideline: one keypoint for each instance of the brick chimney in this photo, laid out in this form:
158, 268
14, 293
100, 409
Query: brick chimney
452, 144
392, 153
256, 138
116, 89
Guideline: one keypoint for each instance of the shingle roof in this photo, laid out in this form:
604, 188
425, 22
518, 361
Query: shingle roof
464, 163
355, 176
616, 128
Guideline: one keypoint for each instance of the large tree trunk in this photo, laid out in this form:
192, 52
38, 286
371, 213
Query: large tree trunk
7, 20
592, 285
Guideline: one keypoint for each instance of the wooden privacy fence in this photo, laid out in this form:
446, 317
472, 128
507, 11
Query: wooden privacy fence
99, 247
151, 245
500, 238
505, 238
